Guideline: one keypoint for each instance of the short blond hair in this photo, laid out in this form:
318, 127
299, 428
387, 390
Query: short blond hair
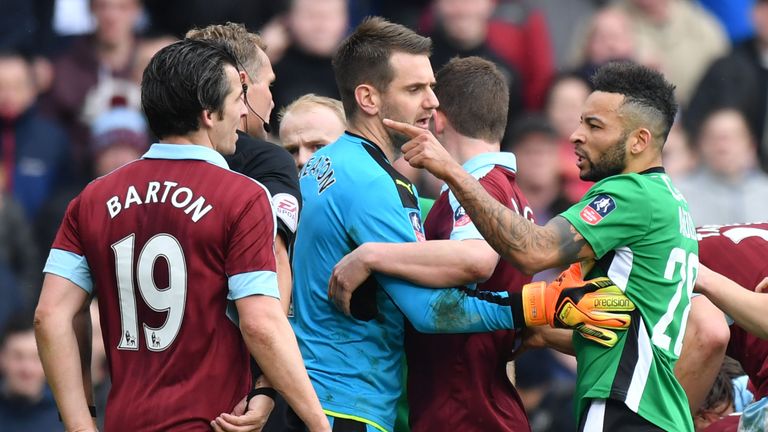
246, 45
310, 99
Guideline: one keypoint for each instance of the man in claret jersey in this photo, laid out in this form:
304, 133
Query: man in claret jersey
175, 246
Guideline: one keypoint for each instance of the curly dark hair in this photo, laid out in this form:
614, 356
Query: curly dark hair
645, 90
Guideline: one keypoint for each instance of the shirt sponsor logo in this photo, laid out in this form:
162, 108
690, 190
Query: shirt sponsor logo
287, 209
416, 225
460, 217
597, 209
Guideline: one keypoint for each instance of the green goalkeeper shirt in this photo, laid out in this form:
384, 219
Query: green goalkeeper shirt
645, 241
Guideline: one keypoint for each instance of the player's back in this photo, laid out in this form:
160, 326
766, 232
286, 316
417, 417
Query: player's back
158, 237
739, 252
459, 381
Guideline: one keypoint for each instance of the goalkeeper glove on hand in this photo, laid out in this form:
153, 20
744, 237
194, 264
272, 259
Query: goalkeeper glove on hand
593, 308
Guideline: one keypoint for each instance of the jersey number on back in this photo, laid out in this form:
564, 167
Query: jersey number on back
170, 299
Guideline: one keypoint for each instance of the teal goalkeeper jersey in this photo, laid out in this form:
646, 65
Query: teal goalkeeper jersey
645, 241
352, 195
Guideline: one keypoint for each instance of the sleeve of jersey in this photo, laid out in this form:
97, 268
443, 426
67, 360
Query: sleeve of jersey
382, 217
66, 258
611, 214
282, 182
250, 257
463, 227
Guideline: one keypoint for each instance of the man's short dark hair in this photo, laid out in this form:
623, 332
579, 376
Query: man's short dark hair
181, 81
647, 94
363, 57
474, 96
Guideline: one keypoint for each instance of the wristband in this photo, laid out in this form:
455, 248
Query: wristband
266, 391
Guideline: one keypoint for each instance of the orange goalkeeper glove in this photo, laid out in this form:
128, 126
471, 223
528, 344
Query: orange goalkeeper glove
594, 308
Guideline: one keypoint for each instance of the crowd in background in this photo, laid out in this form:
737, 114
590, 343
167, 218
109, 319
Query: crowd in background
70, 72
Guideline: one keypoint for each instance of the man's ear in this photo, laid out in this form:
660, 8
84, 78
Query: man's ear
440, 122
206, 119
640, 140
368, 99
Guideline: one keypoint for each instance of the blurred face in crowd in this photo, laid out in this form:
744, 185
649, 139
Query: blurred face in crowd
538, 160
465, 21
259, 96
307, 129
114, 157
566, 99
760, 20
725, 143
21, 366
318, 26
677, 155
409, 97
115, 19
600, 139
17, 90
611, 37
223, 133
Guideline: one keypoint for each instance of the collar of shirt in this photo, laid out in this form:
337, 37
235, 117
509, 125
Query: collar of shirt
505, 159
185, 151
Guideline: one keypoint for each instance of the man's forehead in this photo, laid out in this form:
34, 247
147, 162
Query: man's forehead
603, 103
411, 67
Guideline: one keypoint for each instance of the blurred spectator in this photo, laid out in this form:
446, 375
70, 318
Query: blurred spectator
310, 123
462, 30
316, 28
734, 16
95, 69
609, 37
566, 97
147, 48
728, 187
20, 275
518, 34
26, 403
535, 144
681, 35
679, 160
34, 151
117, 137
564, 19
176, 17
739, 79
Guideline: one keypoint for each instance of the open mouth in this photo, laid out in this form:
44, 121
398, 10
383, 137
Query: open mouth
423, 123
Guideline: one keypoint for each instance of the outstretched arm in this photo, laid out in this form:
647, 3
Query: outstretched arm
529, 247
747, 308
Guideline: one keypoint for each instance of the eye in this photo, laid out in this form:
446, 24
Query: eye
317, 147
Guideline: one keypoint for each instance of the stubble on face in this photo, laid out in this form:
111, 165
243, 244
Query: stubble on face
610, 163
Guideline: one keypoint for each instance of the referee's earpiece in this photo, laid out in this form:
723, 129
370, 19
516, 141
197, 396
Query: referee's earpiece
264, 124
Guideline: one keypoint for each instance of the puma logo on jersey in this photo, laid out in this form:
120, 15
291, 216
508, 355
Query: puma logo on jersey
405, 185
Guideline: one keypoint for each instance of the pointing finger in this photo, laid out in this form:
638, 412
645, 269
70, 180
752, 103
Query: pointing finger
404, 128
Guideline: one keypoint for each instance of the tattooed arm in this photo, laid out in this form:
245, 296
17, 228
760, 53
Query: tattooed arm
530, 247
